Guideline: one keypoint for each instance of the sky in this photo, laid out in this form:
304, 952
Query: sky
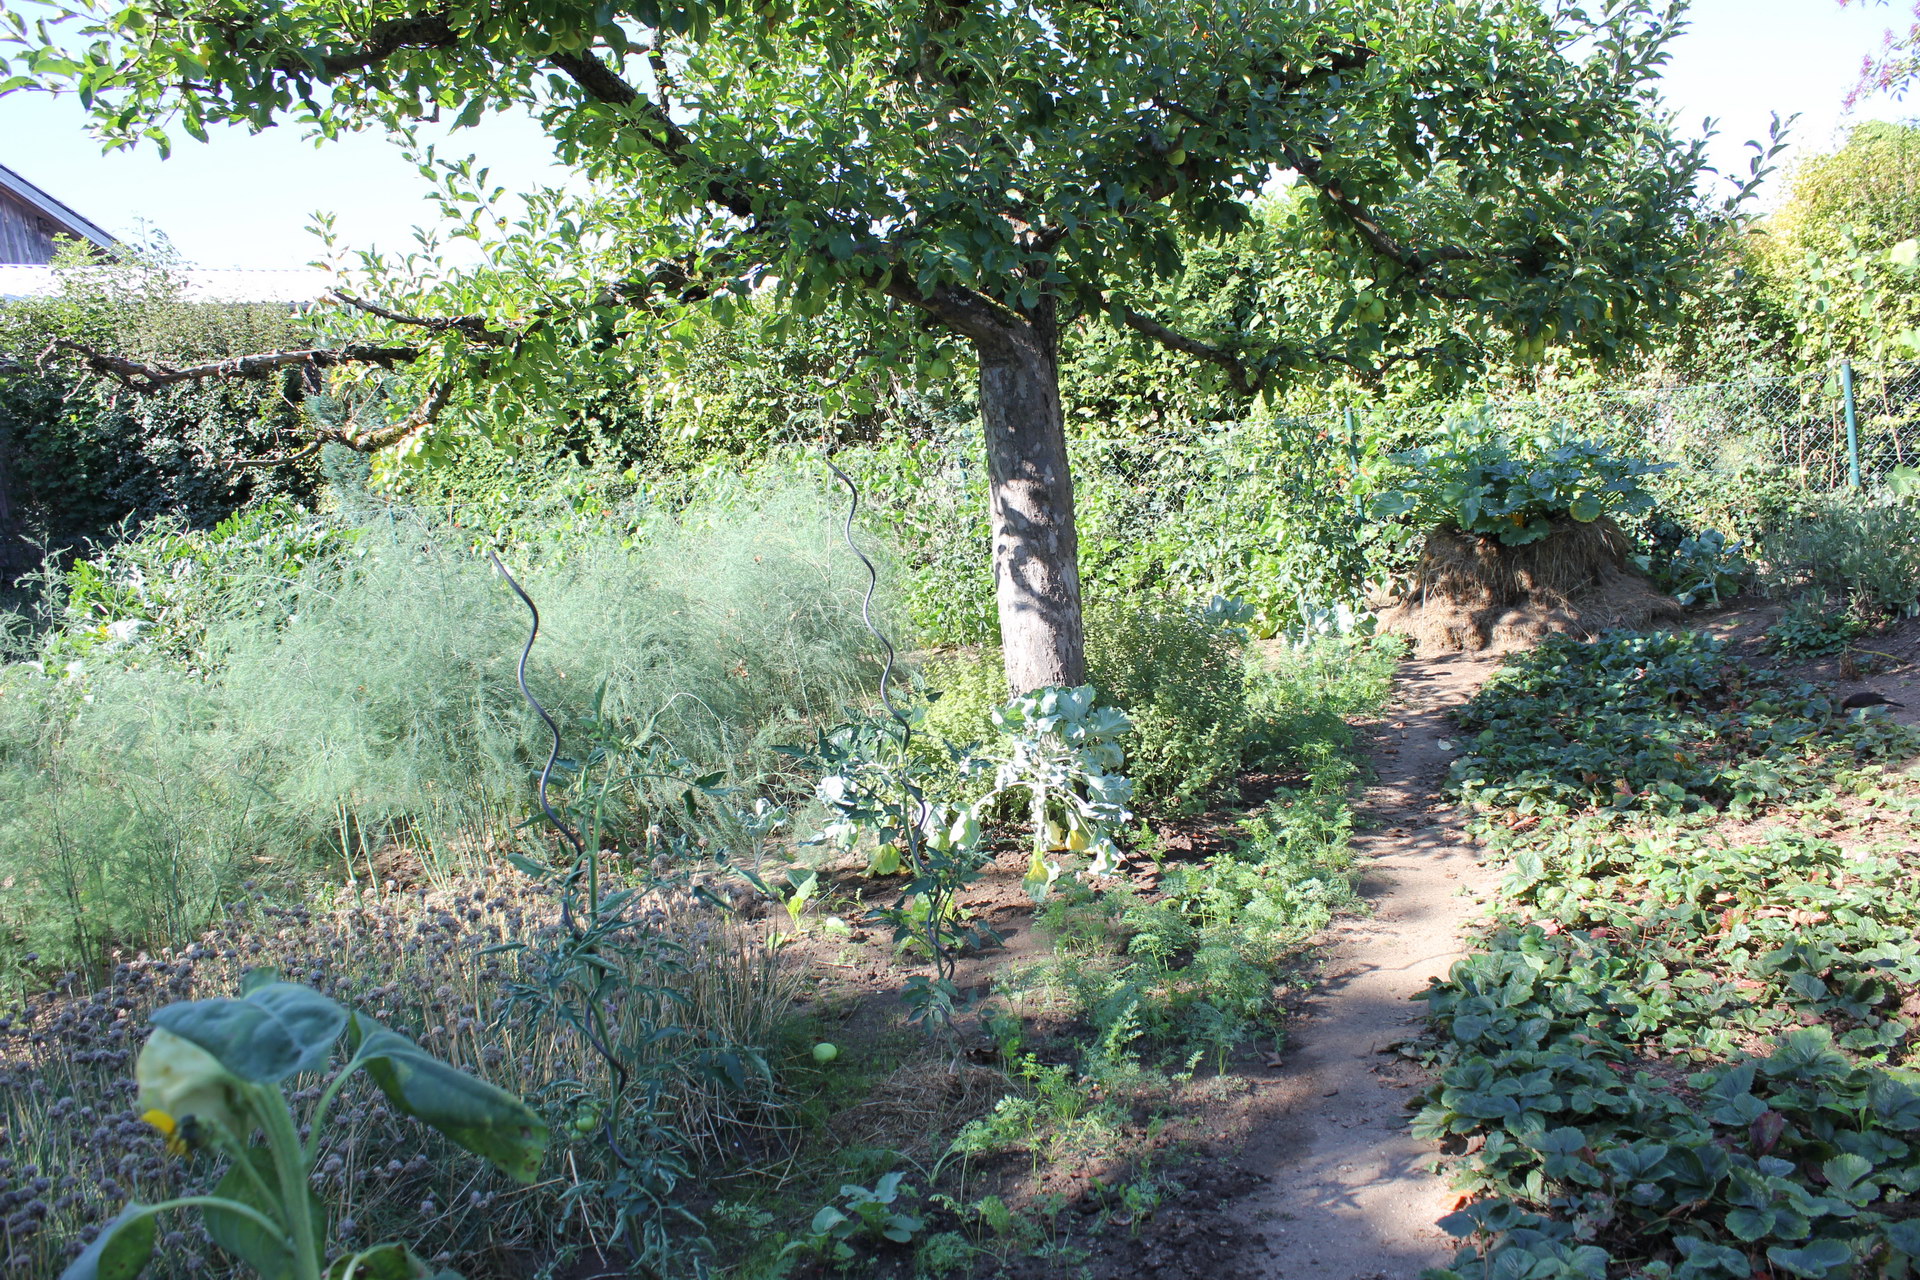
245, 200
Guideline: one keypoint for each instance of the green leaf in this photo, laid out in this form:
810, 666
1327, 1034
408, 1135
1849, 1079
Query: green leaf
121, 1250
1815, 1260
483, 1118
276, 1030
1749, 1224
385, 1262
1844, 1172
1585, 508
269, 1254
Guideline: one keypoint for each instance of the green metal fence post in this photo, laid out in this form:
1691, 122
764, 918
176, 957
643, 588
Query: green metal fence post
1853, 425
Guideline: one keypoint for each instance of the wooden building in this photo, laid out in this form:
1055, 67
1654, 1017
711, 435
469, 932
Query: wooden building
30, 219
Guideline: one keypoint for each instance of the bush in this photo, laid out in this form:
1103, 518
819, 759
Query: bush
1180, 674
359, 709
84, 456
1851, 551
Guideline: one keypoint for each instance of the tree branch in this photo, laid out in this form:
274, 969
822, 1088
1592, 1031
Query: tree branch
147, 378
599, 82
1238, 377
275, 460
1250, 382
375, 439
1414, 262
427, 31
475, 328
969, 313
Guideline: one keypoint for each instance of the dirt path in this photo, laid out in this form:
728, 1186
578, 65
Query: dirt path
1349, 1197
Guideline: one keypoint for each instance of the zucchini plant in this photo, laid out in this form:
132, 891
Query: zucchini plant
213, 1073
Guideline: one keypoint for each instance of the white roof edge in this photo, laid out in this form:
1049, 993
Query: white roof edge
296, 285
52, 208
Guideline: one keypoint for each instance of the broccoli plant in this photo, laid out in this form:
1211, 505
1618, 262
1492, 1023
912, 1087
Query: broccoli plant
1064, 751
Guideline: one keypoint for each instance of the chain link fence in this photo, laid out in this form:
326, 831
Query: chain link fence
1823, 429
1826, 428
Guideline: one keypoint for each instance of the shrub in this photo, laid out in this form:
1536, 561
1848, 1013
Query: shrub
1179, 673
1851, 551
1301, 697
963, 689
1181, 676
85, 456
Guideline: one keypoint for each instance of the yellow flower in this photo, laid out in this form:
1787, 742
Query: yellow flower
175, 1136
183, 1088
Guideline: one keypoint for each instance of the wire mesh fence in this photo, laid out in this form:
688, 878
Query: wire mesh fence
1824, 428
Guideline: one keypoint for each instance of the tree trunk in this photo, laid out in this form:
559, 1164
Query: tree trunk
1035, 549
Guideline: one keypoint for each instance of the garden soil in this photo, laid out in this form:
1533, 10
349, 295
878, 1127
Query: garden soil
1347, 1192
1298, 1166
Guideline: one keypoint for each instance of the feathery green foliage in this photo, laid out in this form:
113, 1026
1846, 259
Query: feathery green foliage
362, 712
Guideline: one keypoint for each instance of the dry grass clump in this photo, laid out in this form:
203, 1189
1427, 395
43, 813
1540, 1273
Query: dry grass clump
1471, 592
72, 1149
915, 1110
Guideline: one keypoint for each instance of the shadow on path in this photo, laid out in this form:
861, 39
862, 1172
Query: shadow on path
1349, 1196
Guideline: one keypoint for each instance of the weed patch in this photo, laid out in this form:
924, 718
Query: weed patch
1187, 974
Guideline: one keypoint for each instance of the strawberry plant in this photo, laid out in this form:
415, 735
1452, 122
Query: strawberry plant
1677, 1055
1664, 722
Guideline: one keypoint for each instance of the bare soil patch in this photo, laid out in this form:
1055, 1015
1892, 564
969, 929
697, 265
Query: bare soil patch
1348, 1191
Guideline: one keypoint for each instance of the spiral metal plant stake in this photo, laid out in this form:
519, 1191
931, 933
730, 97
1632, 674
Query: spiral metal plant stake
553, 727
594, 1032
942, 962
866, 602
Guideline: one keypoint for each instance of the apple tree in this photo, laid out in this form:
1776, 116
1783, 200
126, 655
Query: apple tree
951, 175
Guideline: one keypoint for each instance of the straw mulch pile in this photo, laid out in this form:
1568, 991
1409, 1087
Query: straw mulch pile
1472, 593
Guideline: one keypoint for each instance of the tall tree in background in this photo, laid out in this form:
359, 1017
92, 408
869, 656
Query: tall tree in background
952, 172
1833, 267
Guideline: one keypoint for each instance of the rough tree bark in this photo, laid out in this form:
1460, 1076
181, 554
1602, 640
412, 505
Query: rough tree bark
1035, 549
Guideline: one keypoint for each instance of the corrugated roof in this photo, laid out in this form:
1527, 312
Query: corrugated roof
69, 218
